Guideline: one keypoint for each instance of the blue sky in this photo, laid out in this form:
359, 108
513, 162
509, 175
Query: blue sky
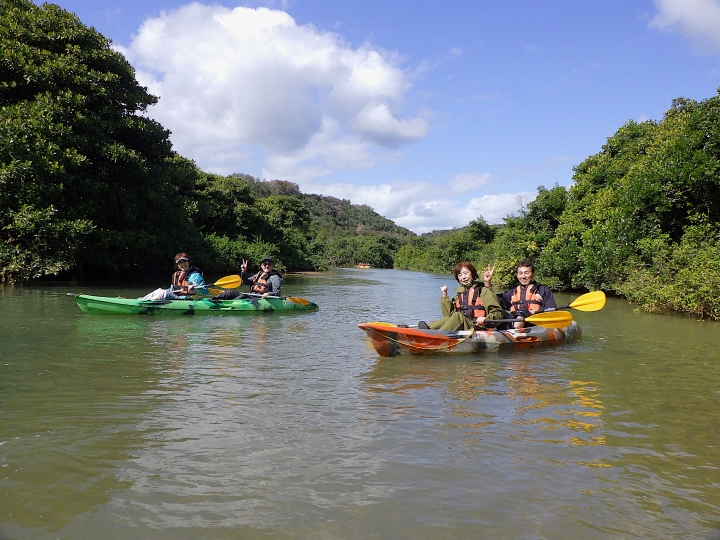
433, 113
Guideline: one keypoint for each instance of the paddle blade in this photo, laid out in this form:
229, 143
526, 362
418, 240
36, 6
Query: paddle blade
551, 319
229, 282
297, 300
592, 301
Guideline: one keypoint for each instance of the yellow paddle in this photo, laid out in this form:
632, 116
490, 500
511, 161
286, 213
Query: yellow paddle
229, 282
234, 281
293, 299
546, 319
592, 301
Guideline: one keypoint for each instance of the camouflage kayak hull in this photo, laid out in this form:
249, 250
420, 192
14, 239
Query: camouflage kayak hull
392, 340
103, 305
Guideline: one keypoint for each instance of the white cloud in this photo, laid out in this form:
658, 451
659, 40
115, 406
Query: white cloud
328, 151
698, 20
463, 183
423, 206
244, 89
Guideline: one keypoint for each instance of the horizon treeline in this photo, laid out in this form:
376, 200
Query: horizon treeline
90, 186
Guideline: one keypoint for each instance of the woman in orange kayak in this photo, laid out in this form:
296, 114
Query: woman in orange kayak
474, 304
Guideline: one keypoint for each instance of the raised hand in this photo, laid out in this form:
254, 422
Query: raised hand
487, 276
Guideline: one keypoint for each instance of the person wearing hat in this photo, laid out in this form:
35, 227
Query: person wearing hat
265, 282
186, 281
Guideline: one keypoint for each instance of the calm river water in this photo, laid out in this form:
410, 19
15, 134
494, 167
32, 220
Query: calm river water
290, 426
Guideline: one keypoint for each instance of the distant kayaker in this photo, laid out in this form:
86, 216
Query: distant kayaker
474, 304
266, 282
185, 282
528, 297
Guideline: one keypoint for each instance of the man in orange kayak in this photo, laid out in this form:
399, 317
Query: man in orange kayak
528, 298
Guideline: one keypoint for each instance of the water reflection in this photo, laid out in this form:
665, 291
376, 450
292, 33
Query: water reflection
523, 397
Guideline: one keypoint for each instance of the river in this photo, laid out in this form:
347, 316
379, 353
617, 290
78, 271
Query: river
291, 427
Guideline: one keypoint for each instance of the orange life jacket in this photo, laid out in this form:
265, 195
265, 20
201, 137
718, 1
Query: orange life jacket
260, 282
470, 304
531, 303
180, 282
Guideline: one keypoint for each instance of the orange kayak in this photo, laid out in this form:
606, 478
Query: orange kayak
392, 340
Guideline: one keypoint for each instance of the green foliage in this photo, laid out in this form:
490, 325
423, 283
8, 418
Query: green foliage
225, 206
74, 145
370, 248
442, 250
225, 255
636, 218
681, 277
38, 243
285, 211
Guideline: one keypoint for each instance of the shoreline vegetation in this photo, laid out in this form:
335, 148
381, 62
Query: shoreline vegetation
91, 187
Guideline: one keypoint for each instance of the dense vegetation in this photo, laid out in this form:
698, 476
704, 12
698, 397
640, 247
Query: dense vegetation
641, 219
90, 185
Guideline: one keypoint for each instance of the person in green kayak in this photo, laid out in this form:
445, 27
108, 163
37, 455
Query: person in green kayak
266, 282
185, 282
474, 304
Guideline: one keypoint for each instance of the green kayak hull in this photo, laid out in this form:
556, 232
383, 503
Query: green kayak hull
103, 305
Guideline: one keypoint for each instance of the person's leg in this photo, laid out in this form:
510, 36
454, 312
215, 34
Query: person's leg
159, 294
456, 321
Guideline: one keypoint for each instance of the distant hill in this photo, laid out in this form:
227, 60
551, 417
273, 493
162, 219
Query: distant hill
436, 233
331, 216
336, 217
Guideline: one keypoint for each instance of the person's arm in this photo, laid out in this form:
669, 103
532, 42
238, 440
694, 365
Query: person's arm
196, 280
447, 307
548, 302
246, 280
487, 276
275, 283
492, 306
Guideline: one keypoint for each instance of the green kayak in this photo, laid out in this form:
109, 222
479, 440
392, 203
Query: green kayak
202, 306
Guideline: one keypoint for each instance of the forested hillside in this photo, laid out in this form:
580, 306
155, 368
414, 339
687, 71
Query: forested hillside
641, 219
